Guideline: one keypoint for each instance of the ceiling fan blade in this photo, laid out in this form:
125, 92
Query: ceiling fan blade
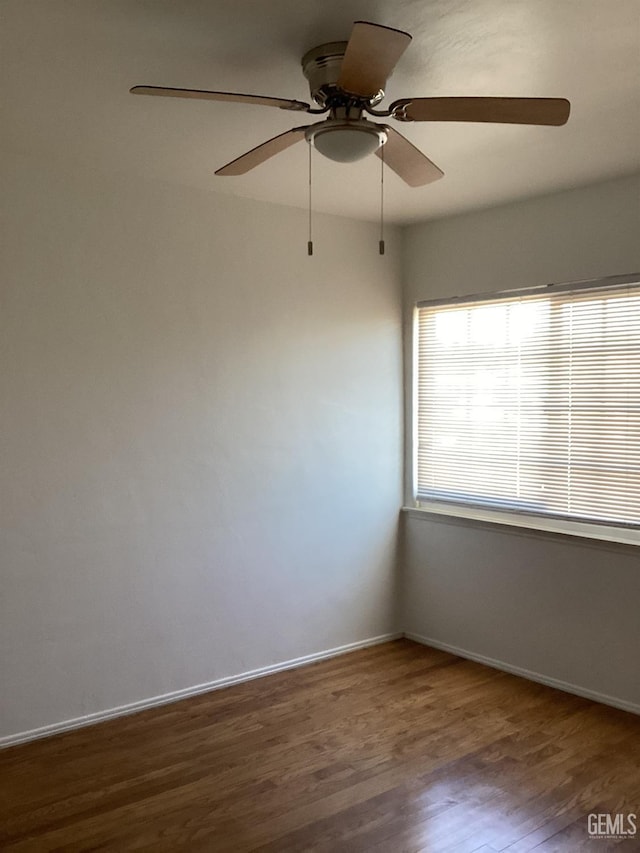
263, 152
371, 55
263, 100
542, 111
407, 161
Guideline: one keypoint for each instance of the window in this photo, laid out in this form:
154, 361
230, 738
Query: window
529, 401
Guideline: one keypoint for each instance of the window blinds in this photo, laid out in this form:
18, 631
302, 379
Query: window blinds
530, 402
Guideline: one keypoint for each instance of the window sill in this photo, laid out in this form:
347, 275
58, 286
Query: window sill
582, 530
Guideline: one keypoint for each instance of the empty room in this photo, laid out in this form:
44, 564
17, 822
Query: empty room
320, 426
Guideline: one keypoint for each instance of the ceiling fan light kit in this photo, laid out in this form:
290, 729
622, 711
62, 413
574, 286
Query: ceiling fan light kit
345, 141
347, 80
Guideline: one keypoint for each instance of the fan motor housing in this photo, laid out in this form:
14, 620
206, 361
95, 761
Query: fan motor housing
321, 66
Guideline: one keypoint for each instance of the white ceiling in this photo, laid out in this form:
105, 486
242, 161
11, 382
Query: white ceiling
67, 66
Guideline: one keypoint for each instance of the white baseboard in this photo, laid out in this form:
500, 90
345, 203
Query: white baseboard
526, 673
174, 696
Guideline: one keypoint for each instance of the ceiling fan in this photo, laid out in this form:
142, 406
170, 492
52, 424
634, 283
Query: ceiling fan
346, 80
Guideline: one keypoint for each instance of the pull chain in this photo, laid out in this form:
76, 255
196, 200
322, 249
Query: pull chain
381, 242
310, 241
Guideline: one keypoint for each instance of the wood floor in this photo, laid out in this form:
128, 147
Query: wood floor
390, 749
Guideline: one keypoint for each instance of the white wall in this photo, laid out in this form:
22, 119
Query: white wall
200, 444
200, 439
561, 607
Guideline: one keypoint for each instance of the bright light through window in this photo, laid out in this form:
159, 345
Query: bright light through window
531, 402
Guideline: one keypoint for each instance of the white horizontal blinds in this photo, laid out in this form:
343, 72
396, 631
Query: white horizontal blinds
532, 403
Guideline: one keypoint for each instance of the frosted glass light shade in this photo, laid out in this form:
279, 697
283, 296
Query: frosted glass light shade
348, 143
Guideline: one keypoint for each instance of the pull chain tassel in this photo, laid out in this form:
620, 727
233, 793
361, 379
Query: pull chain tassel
381, 241
310, 241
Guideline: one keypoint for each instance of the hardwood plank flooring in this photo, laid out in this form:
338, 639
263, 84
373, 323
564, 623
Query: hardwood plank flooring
393, 749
